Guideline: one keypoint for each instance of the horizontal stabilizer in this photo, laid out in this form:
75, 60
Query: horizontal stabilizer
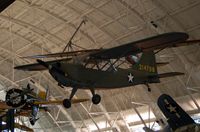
170, 74
38, 66
186, 43
161, 63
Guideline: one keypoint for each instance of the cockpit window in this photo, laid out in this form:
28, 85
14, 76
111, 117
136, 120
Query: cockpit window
134, 59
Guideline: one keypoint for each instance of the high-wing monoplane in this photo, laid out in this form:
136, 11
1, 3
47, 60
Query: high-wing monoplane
102, 68
28, 103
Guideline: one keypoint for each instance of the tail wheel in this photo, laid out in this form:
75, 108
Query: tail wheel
96, 99
67, 103
32, 122
15, 98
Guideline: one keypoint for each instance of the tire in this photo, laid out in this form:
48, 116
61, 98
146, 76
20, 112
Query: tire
15, 98
96, 99
32, 122
67, 103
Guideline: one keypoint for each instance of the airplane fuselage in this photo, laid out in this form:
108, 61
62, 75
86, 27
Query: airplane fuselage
76, 75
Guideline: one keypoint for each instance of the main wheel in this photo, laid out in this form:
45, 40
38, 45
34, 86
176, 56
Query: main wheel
67, 103
15, 98
149, 89
96, 99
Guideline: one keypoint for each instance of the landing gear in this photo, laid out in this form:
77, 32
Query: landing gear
148, 87
32, 122
96, 99
67, 103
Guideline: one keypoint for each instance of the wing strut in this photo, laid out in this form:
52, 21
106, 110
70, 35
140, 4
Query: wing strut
69, 44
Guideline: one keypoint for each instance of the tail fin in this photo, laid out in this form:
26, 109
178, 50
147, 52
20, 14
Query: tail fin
44, 95
146, 63
176, 116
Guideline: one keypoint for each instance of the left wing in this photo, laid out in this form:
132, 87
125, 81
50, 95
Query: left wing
58, 102
38, 66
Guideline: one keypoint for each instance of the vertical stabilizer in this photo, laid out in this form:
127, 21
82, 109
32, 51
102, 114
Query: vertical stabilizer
176, 116
146, 63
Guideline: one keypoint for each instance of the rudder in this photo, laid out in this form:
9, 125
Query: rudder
146, 63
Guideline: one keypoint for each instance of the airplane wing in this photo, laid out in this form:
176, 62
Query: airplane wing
37, 66
5, 3
173, 39
59, 102
176, 116
3, 105
64, 54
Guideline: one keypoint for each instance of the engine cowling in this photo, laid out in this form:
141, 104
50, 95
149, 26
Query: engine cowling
15, 98
58, 74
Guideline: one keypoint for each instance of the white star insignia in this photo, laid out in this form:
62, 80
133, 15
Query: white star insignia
172, 109
130, 78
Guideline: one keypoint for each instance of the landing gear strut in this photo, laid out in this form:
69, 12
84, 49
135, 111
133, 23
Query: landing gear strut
148, 87
67, 102
96, 99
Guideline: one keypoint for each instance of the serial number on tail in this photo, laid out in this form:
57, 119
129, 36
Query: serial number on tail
146, 68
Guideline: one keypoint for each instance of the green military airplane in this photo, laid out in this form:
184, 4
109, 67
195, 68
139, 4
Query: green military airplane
107, 74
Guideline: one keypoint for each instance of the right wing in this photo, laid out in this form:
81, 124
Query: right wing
38, 66
166, 40
64, 54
